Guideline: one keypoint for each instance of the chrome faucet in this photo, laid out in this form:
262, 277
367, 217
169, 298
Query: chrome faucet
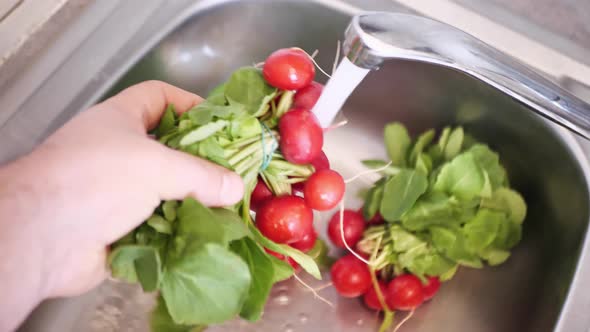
373, 37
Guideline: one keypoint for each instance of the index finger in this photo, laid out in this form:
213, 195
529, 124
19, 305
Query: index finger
148, 101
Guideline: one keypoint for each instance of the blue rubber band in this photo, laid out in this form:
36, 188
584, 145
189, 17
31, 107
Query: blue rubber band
267, 155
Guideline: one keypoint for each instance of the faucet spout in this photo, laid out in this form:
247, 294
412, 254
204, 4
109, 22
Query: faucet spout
374, 37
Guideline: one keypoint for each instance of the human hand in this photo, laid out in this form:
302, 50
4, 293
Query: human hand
98, 177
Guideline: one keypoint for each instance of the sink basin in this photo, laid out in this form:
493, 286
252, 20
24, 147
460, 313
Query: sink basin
197, 44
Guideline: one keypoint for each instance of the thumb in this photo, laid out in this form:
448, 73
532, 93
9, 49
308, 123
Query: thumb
182, 175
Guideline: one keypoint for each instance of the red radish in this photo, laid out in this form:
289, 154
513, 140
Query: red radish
371, 299
350, 276
274, 253
288, 69
289, 260
297, 188
302, 137
319, 163
308, 96
353, 224
431, 288
307, 242
285, 219
376, 220
324, 189
404, 292
293, 264
260, 194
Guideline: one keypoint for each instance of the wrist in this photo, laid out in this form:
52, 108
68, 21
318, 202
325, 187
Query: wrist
31, 199
22, 242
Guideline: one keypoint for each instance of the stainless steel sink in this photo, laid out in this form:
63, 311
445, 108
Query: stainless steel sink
196, 44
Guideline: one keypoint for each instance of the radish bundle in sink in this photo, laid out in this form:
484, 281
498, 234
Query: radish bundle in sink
440, 204
210, 265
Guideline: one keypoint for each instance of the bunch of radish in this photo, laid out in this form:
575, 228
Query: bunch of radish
288, 218
352, 277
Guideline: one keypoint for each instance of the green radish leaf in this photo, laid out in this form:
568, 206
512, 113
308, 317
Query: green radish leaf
489, 162
449, 274
426, 262
217, 95
461, 177
146, 235
282, 270
149, 270
423, 163
205, 284
373, 201
436, 155
401, 192
422, 141
403, 240
453, 146
161, 321
319, 253
167, 122
201, 114
397, 142
444, 138
169, 210
417, 255
495, 256
486, 190
209, 148
246, 127
431, 209
481, 231
122, 260
184, 125
199, 223
451, 243
262, 268
247, 87
509, 234
160, 224
302, 259
203, 132
509, 201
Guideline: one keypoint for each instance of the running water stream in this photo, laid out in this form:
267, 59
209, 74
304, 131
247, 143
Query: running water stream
341, 85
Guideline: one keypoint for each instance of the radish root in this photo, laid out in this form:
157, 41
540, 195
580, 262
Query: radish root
315, 294
322, 287
408, 316
319, 68
369, 171
337, 125
337, 58
344, 240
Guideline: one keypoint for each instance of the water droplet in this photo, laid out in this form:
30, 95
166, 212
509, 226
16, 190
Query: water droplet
282, 298
303, 318
288, 328
281, 289
360, 322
